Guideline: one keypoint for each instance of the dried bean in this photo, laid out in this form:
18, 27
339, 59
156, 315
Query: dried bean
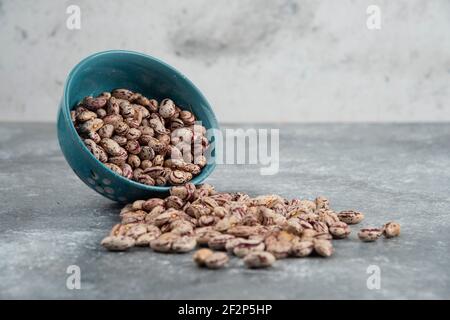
216, 260
369, 234
117, 243
184, 244
323, 248
164, 242
302, 248
391, 229
201, 255
218, 242
339, 230
350, 216
259, 259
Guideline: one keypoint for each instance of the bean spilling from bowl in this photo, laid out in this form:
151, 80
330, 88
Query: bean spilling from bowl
260, 230
151, 142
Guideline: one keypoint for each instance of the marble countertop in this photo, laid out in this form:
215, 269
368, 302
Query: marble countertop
50, 220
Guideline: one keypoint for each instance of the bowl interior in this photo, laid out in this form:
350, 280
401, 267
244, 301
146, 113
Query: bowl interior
153, 78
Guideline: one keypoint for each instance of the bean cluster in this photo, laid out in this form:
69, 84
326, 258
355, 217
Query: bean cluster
260, 230
151, 142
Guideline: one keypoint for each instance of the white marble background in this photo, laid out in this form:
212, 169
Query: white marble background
260, 60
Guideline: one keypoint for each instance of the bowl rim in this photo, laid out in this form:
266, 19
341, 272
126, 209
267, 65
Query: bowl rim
209, 168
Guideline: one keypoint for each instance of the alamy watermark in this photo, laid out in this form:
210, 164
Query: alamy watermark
73, 281
229, 147
373, 282
73, 21
249, 146
373, 21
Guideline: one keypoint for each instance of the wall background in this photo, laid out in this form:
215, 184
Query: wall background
260, 60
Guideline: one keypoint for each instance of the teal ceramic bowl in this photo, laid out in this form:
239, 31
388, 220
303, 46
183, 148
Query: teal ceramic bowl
105, 71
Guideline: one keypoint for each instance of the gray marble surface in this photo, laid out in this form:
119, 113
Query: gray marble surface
50, 220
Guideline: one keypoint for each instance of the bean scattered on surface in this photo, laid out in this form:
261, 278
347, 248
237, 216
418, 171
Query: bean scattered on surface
259, 229
259, 259
369, 234
391, 230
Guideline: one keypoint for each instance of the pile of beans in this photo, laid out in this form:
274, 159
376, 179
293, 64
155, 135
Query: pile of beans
260, 230
151, 142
